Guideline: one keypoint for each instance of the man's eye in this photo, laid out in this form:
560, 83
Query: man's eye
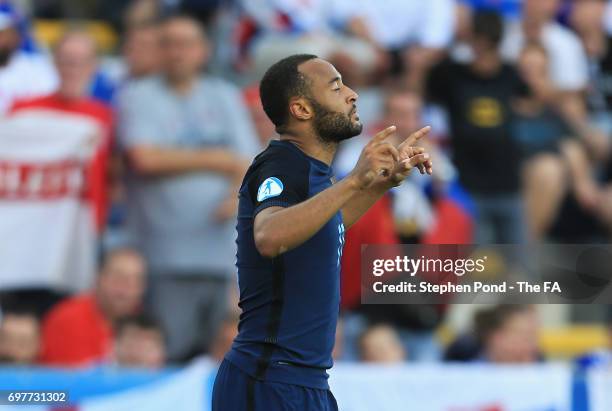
337, 89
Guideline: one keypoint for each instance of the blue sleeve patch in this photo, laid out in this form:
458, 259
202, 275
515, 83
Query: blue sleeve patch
271, 187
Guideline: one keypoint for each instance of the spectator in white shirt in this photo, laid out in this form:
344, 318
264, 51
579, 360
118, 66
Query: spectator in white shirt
285, 27
22, 74
418, 30
569, 68
568, 65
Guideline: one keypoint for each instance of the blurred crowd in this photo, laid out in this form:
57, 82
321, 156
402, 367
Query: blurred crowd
119, 171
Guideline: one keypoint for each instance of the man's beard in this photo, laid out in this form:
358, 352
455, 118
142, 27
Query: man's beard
333, 126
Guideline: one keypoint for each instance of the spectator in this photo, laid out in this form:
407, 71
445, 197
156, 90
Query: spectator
568, 64
460, 51
477, 97
79, 330
22, 73
586, 19
140, 55
416, 32
222, 342
380, 344
264, 127
601, 358
141, 50
552, 154
186, 138
405, 216
508, 334
509, 9
140, 12
284, 27
139, 342
19, 338
59, 147
464, 348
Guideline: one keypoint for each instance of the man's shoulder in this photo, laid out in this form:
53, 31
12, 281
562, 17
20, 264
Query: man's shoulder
143, 88
72, 307
279, 160
449, 69
220, 90
31, 61
558, 36
218, 83
281, 154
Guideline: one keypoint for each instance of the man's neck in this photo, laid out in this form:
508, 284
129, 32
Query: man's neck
312, 146
104, 309
69, 96
487, 64
533, 26
181, 86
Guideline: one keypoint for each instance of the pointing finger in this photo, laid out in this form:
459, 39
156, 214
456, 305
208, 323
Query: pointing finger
416, 136
382, 135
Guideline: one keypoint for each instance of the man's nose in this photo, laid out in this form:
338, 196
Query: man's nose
352, 96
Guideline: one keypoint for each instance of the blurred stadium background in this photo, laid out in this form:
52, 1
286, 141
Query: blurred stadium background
116, 245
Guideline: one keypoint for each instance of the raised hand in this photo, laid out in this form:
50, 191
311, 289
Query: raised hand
378, 158
407, 149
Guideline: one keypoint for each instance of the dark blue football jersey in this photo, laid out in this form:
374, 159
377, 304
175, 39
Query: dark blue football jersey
289, 303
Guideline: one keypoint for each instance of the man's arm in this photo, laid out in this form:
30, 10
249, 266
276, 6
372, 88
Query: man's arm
409, 157
278, 229
144, 143
153, 160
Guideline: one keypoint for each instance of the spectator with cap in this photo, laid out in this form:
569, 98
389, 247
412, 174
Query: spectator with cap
23, 73
186, 138
140, 343
79, 330
19, 337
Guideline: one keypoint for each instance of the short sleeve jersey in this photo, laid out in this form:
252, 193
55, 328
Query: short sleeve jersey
289, 303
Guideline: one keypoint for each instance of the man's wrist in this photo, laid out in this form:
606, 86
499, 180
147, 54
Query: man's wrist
353, 183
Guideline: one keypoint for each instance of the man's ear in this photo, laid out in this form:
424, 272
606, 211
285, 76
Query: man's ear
300, 108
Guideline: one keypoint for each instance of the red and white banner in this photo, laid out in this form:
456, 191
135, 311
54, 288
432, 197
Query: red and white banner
47, 228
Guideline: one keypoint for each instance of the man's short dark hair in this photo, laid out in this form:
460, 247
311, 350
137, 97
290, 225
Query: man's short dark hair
181, 16
488, 25
20, 311
490, 320
140, 321
281, 82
